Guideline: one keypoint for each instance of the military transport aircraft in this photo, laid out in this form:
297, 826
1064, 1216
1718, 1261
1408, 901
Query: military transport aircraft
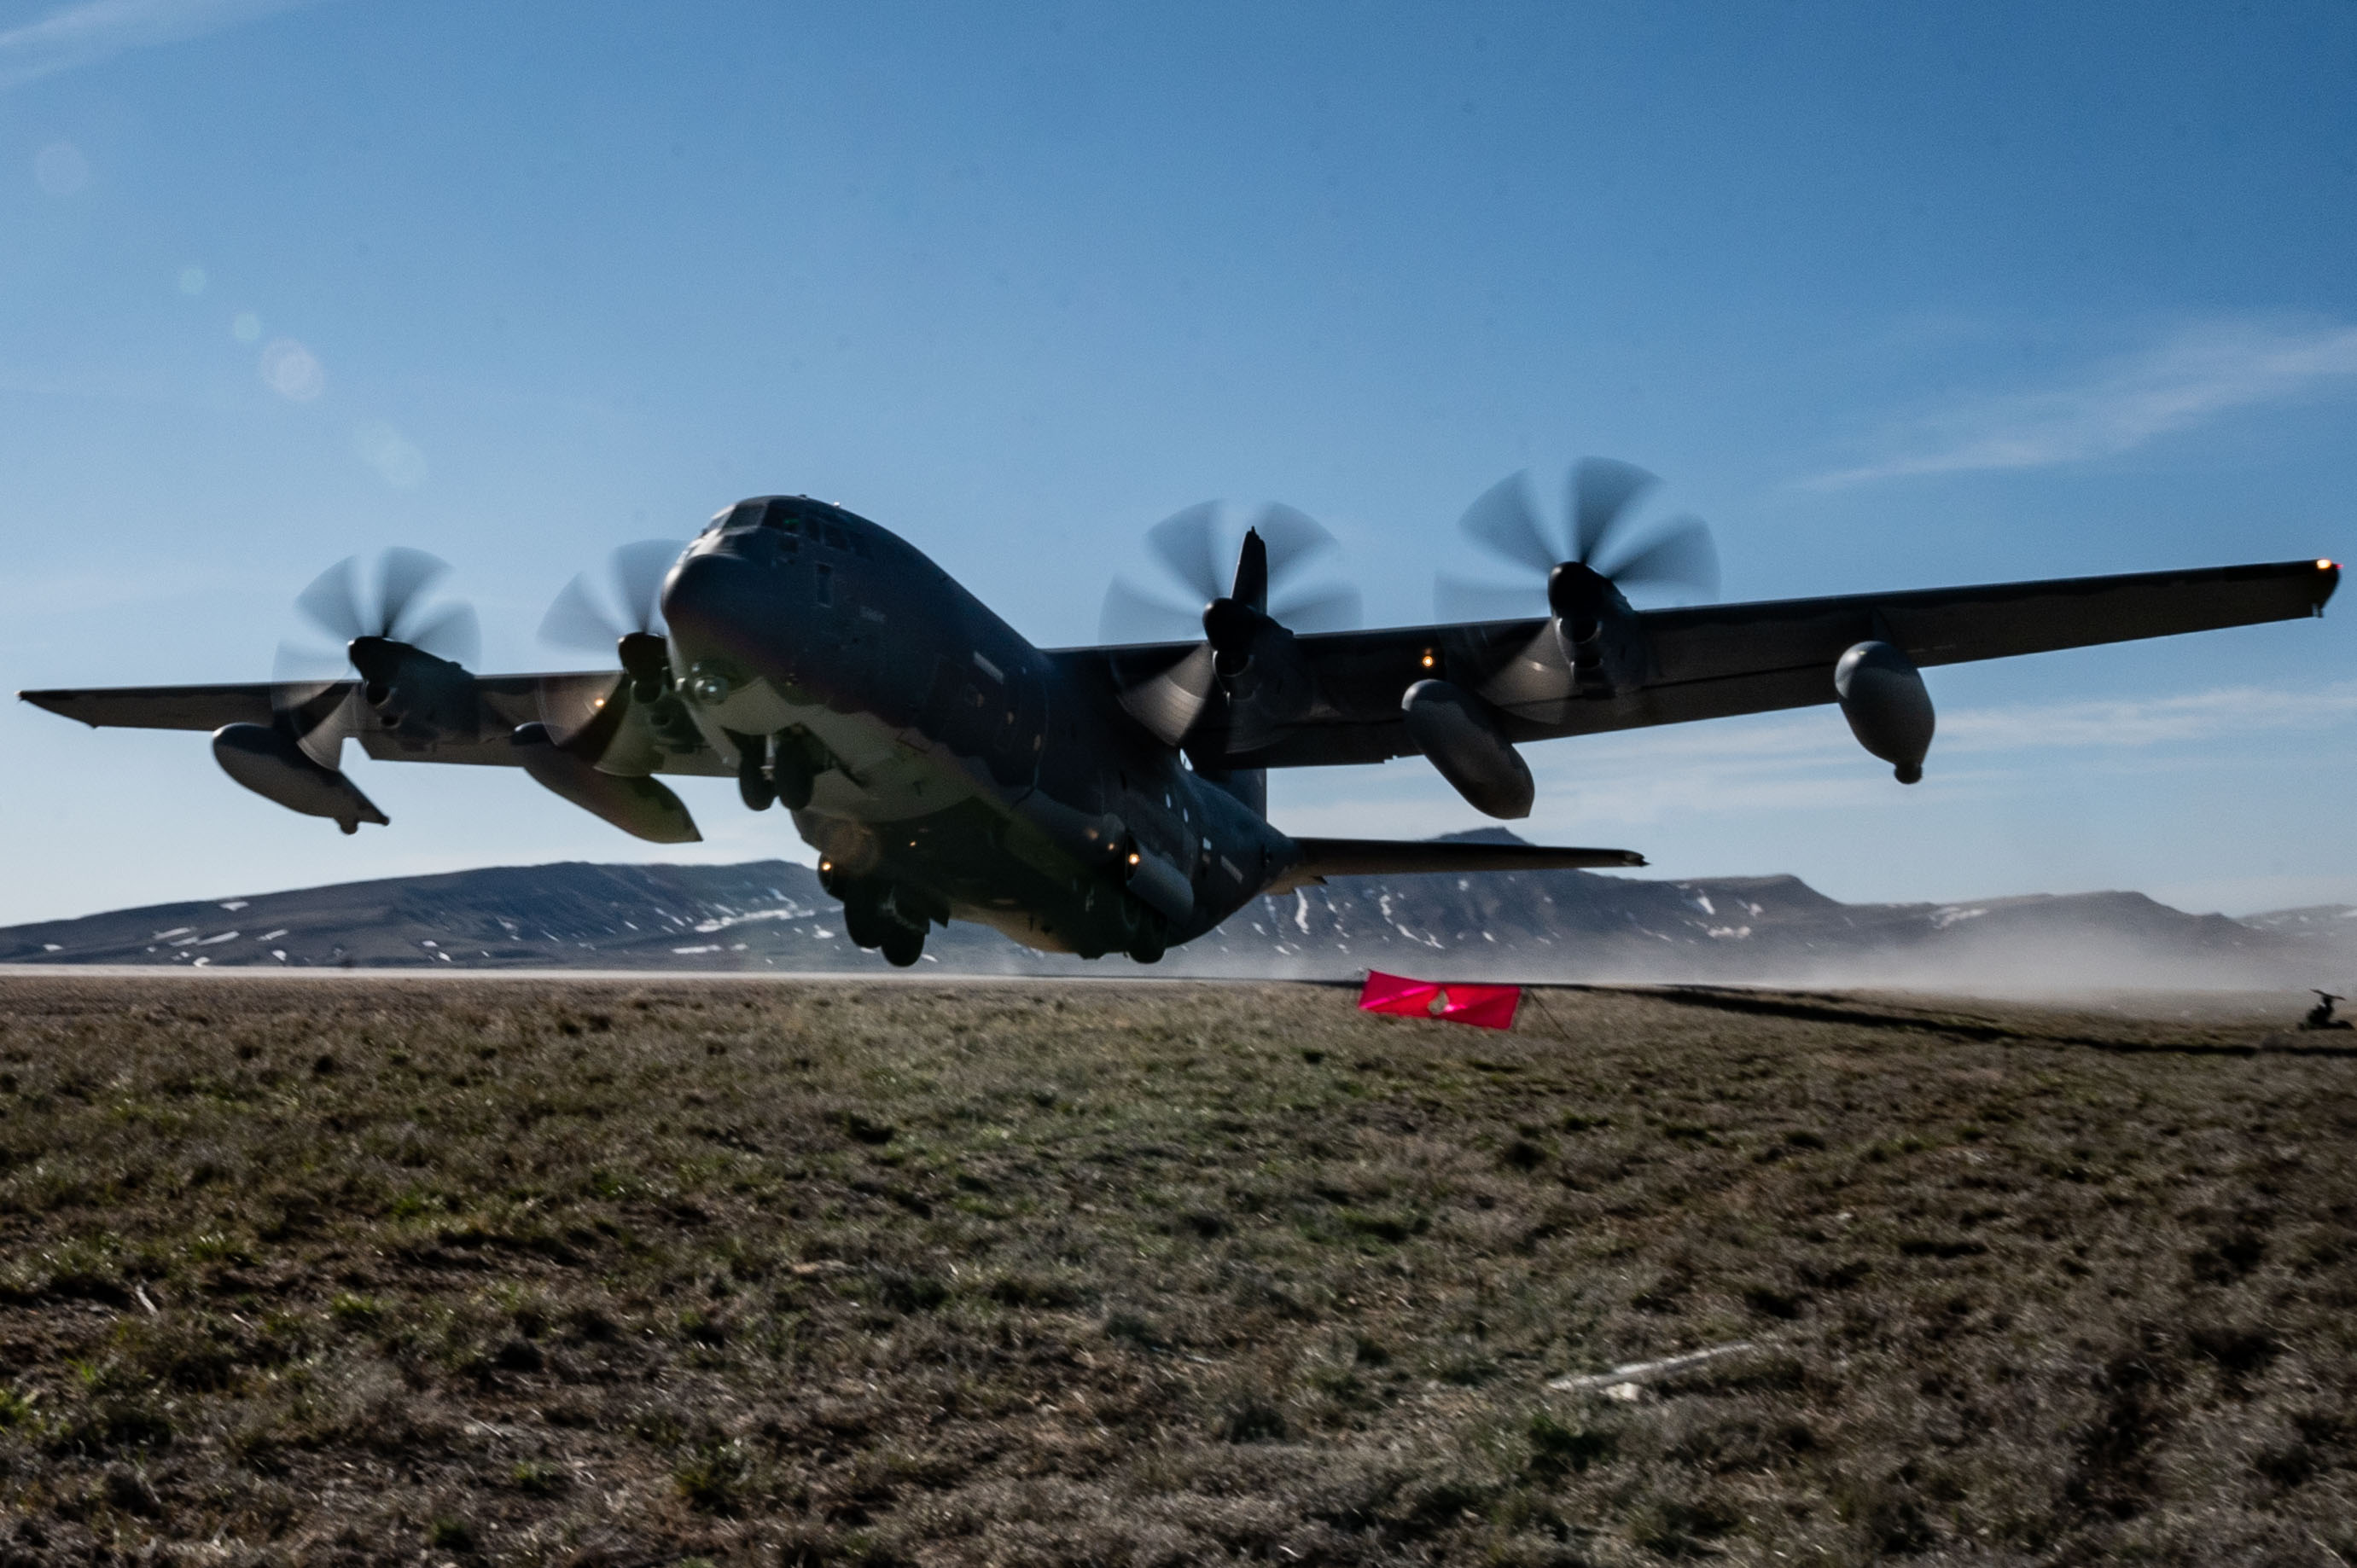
1113, 799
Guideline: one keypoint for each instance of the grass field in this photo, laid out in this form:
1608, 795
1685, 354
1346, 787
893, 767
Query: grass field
516, 1272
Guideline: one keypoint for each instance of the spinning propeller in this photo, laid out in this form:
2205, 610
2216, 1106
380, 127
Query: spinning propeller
1574, 562
1232, 619
624, 622
631, 616
383, 632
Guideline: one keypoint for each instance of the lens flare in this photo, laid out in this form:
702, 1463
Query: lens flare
289, 369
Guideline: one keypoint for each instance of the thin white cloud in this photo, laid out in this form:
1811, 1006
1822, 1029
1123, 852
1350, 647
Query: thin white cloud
99, 29
2190, 717
1807, 761
2197, 373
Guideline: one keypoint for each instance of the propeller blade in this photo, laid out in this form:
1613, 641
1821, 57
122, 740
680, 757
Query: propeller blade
1132, 614
582, 713
1292, 537
332, 602
1168, 704
1319, 609
1601, 489
1252, 572
453, 633
578, 621
300, 677
1186, 543
1504, 521
1454, 599
1534, 672
639, 573
402, 577
1684, 557
310, 695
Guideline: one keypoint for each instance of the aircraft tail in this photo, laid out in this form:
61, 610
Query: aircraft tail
1322, 858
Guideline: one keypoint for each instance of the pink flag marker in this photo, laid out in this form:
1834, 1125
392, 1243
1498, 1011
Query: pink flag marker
1485, 1006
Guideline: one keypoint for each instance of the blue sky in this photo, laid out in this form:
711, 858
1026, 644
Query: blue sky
1894, 297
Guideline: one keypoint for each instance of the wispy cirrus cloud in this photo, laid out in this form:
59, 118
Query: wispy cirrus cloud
2197, 373
2187, 717
1806, 761
99, 29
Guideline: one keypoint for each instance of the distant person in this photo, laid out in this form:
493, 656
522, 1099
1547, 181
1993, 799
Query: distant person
2321, 1016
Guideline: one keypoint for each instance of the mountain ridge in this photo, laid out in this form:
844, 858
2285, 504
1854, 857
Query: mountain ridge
770, 916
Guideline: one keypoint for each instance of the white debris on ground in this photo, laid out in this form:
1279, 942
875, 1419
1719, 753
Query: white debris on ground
1627, 1383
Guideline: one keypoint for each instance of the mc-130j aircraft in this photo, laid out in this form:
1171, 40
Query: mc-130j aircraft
1113, 799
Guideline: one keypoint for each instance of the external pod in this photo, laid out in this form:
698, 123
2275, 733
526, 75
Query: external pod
1456, 731
1882, 696
268, 761
639, 806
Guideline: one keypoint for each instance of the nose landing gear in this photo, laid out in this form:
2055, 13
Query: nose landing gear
782, 767
754, 784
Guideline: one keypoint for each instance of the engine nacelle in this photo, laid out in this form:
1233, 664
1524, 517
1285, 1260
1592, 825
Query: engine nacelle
638, 805
1882, 696
268, 761
1454, 730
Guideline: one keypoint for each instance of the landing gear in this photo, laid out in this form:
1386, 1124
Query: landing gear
780, 768
753, 781
1149, 939
800, 758
864, 922
875, 917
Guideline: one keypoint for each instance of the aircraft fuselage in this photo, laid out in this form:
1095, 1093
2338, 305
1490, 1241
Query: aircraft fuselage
952, 769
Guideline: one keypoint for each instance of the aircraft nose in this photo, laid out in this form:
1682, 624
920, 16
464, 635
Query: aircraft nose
712, 604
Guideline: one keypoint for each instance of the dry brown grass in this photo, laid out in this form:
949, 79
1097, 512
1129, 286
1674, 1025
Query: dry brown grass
375, 1270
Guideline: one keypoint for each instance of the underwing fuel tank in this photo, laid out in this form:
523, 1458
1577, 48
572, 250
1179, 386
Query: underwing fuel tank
1882, 696
638, 805
268, 761
1465, 745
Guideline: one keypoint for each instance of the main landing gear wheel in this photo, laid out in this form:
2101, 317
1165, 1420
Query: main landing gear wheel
1148, 945
871, 919
864, 923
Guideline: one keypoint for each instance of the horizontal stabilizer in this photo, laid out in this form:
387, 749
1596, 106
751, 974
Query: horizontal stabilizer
1322, 858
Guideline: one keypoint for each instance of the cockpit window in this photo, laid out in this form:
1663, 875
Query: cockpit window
745, 514
801, 517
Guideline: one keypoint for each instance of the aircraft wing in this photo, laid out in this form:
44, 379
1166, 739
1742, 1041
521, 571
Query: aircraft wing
1711, 661
159, 707
503, 702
